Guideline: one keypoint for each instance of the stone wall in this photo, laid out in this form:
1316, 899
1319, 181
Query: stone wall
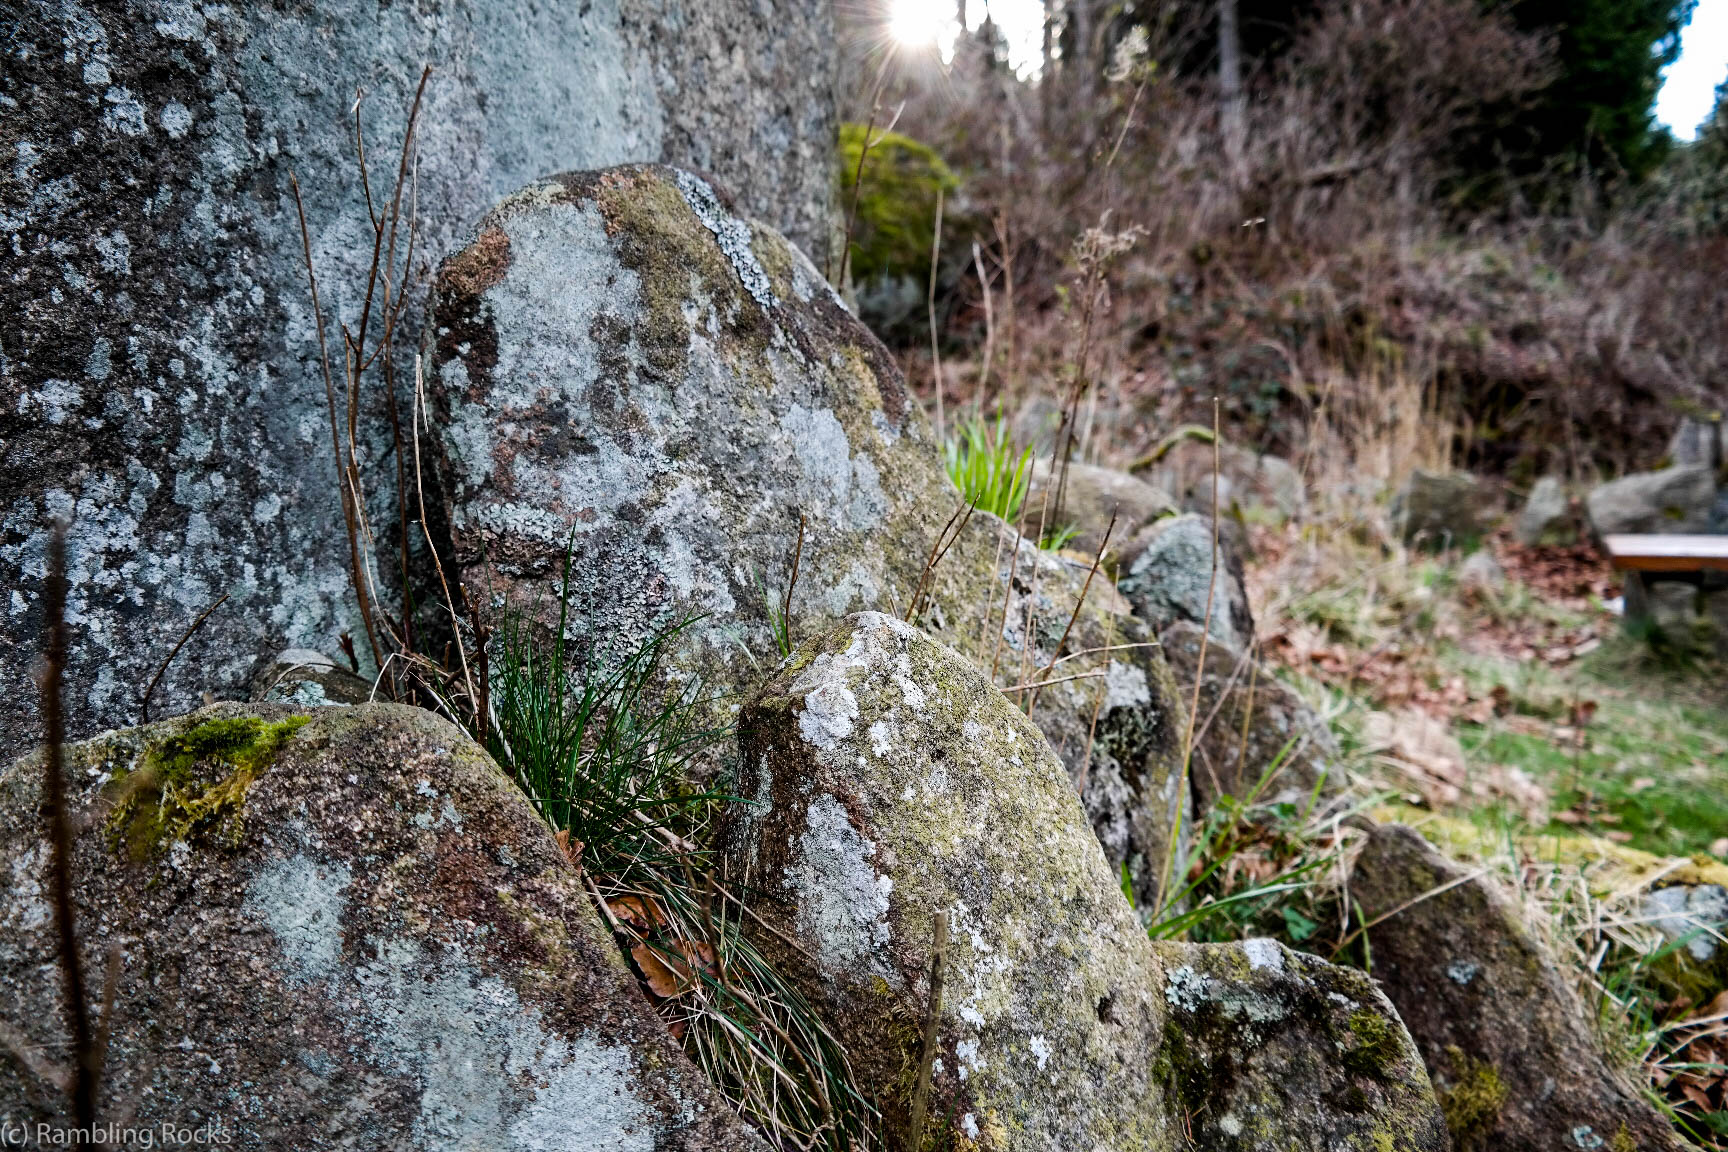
158, 374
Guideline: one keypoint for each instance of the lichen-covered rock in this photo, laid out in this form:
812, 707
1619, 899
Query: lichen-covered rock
160, 383
1698, 443
1507, 1040
887, 783
1547, 515
1266, 1048
307, 679
629, 371
1169, 577
1252, 731
1673, 500
1439, 511
1092, 497
339, 929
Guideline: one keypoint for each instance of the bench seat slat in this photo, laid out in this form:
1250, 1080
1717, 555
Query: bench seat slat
1660, 553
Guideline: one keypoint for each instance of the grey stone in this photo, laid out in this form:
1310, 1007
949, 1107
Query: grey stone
1253, 734
373, 941
1674, 500
1093, 495
1695, 913
605, 366
1698, 444
1547, 515
1509, 1044
1250, 484
890, 783
1480, 570
159, 379
1170, 576
1439, 511
306, 679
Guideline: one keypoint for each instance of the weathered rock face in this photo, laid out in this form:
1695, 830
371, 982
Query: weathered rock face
1249, 722
620, 354
1093, 495
1269, 1048
1672, 500
342, 929
1439, 511
1169, 577
1698, 444
159, 381
1506, 1040
889, 783
1547, 515
306, 679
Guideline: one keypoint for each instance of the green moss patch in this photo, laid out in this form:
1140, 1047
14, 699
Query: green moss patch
194, 785
1472, 1104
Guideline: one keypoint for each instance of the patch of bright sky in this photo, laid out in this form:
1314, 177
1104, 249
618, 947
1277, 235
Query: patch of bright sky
1689, 84
1020, 22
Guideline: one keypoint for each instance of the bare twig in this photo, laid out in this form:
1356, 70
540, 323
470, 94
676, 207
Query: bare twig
786, 600
932, 1023
161, 669
1078, 605
930, 303
87, 1062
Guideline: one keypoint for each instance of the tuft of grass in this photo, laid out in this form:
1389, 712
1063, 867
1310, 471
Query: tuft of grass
605, 753
989, 470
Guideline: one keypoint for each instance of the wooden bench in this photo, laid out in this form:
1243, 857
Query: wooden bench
1653, 553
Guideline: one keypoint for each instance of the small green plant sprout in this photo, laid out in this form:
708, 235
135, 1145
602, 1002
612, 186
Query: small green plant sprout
985, 465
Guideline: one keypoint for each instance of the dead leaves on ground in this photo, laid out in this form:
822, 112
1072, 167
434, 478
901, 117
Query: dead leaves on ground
669, 964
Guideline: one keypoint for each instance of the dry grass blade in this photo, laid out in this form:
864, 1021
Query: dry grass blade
932, 1021
161, 669
1079, 603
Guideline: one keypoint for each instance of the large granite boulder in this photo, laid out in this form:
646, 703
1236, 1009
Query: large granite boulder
1674, 500
1094, 495
1173, 573
160, 384
1507, 1040
887, 783
1439, 510
629, 374
342, 929
1253, 735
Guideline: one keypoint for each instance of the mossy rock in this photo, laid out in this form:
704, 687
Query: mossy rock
895, 221
887, 782
349, 929
1492, 1013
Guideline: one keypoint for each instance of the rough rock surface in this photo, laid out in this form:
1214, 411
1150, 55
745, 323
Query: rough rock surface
1506, 1040
1547, 515
1248, 721
1092, 496
1439, 511
306, 679
1698, 444
1169, 577
346, 930
1260, 1036
621, 355
888, 782
1672, 500
158, 379
1250, 484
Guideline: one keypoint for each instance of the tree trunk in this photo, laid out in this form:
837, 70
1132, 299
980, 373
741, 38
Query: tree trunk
1230, 88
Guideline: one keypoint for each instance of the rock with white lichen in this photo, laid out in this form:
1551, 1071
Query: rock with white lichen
1269, 1048
886, 782
1173, 572
160, 382
629, 374
1507, 1041
305, 679
339, 929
